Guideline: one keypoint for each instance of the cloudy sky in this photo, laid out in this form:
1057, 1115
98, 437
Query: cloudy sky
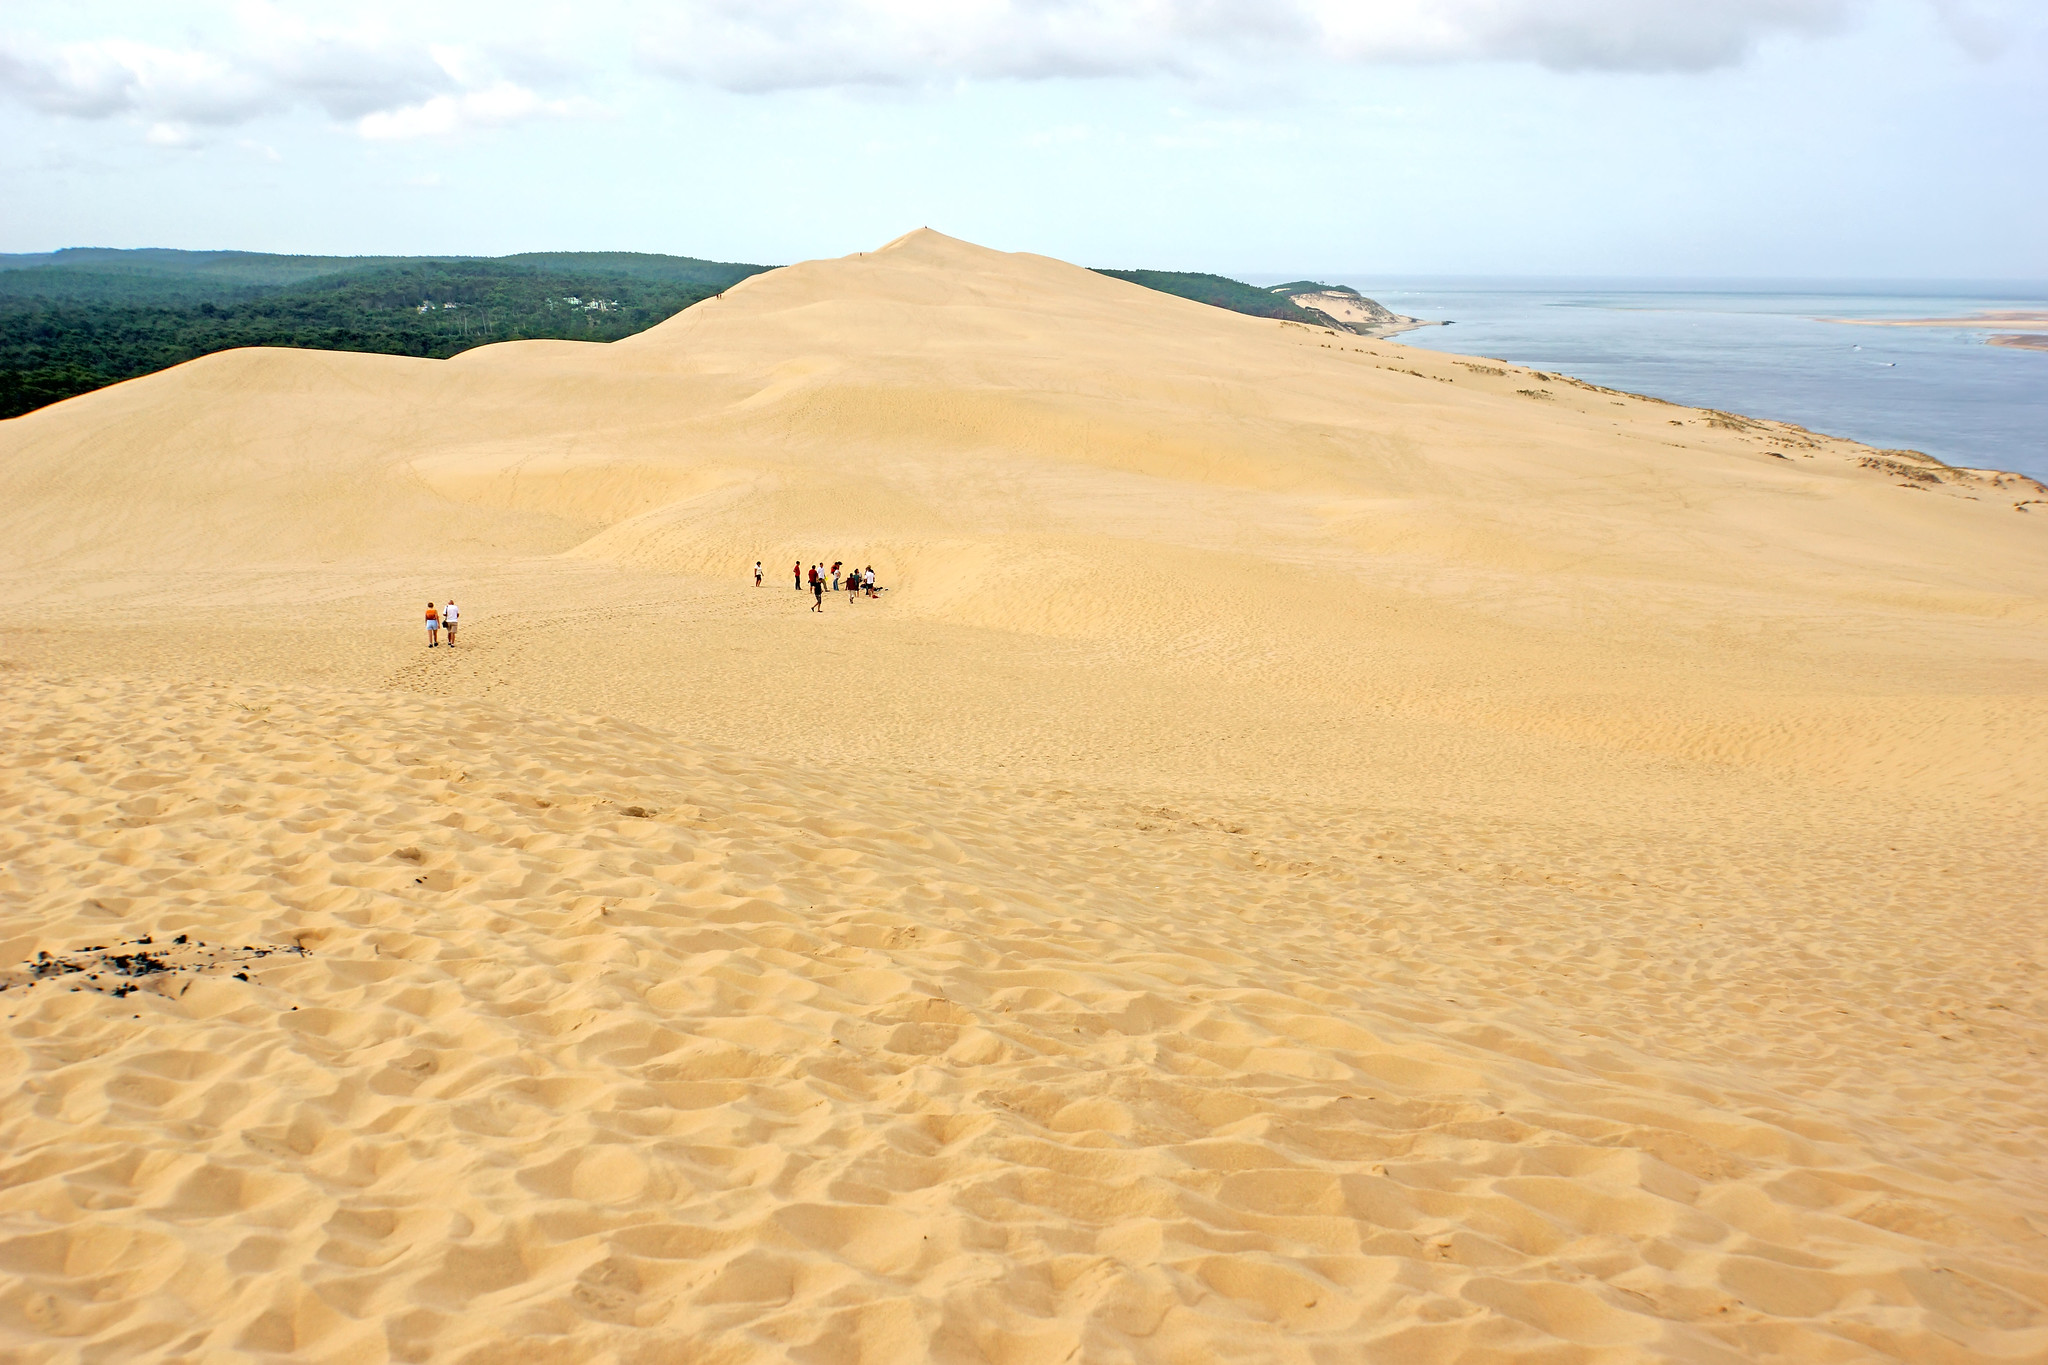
1787, 138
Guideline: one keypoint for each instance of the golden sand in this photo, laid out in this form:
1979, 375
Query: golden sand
1325, 852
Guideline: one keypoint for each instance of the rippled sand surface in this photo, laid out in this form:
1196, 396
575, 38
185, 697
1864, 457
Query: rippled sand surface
1325, 852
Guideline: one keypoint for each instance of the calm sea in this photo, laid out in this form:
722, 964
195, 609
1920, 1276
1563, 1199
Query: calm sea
1757, 349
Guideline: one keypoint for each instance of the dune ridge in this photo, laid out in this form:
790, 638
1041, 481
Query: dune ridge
1323, 852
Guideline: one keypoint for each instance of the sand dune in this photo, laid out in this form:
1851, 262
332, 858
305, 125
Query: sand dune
1325, 852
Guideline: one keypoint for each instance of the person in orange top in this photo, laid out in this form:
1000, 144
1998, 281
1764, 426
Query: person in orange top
433, 627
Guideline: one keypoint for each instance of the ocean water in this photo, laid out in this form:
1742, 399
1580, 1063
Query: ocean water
1759, 350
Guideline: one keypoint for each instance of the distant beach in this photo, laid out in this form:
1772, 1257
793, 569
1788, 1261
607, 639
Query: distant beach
1981, 322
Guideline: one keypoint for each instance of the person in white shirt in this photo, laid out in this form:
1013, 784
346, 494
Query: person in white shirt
757, 573
449, 616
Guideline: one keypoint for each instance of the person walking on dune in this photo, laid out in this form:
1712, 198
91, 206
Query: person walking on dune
449, 618
757, 573
797, 570
817, 589
433, 627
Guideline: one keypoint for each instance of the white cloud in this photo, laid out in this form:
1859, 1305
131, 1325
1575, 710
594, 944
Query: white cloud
1615, 35
176, 135
1984, 28
768, 45
384, 86
115, 76
443, 115
386, 69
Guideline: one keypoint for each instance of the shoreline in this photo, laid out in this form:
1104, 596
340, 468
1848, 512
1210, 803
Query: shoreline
1743, 421
1404, 325
2016, 317
1830, 426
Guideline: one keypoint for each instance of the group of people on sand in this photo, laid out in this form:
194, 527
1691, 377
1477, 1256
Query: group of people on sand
820, 580
445, 617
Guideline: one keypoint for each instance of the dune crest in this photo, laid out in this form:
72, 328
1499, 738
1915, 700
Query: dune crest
1323, 851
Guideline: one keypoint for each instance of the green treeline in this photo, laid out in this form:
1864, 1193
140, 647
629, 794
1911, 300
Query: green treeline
74, 321
1221, 292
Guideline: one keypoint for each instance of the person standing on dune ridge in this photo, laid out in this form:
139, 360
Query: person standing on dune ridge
449, 617
433, 627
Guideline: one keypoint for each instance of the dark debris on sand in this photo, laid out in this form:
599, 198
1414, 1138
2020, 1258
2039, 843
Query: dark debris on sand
119, 969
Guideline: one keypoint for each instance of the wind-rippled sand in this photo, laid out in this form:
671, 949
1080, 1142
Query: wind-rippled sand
1312, 861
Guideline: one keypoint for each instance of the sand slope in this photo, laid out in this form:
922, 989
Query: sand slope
1326, 852
607, 1043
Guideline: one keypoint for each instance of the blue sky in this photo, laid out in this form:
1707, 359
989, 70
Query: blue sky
1807, 138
